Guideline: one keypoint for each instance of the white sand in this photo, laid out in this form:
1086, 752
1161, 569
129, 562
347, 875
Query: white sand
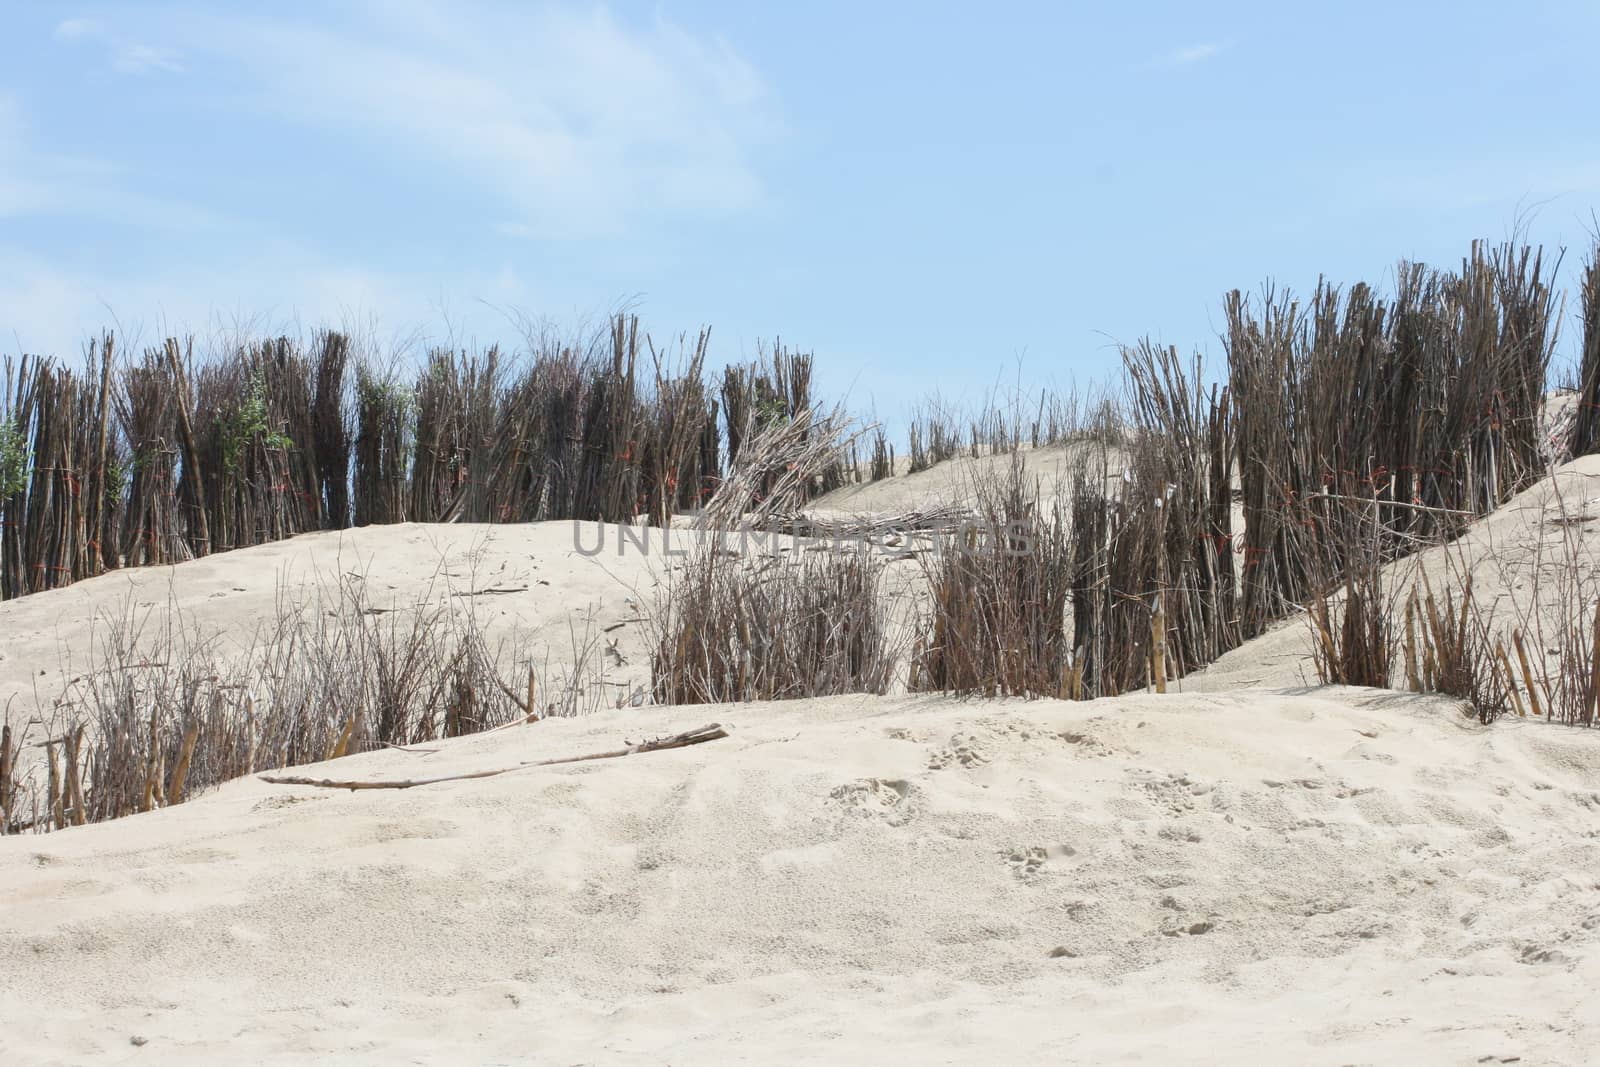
1513, 556
1257, 875
1333, 877
562, 595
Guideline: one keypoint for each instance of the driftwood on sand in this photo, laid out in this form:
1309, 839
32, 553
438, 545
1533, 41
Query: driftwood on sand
689, 737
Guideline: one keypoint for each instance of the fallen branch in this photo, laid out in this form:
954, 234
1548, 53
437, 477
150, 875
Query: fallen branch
1391, 504
683, 740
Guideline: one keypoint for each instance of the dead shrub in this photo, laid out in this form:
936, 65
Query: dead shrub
805, 620
160, 710
998, 586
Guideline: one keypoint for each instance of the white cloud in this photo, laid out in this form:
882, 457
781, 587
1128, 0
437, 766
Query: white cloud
1189, 55
37, 181
47, 308
576, 122
557, 121
72, 29
142, 58
127, 56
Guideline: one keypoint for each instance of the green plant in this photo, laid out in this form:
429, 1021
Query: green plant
14, 460
250, 422
771, 411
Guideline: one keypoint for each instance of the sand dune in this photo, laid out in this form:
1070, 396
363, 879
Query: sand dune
1315, 877
1256, 874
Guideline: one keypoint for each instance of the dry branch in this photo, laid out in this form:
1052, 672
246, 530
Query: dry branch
689, 737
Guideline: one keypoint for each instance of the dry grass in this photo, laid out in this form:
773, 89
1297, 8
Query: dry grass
998, 586
797, 621
1540, 641
159, 710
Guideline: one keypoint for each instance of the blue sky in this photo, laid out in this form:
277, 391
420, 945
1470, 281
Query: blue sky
922, 193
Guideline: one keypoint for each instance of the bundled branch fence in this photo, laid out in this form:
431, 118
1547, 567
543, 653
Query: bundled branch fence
170, 454
1428, 404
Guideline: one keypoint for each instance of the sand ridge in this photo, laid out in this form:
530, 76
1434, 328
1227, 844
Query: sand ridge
1333, 876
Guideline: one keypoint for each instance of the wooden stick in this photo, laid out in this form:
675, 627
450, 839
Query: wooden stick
97, 499
1527, 675
5, 771
1511, 679
152, 773
1594, 668
180, 772
57, 814
341, 744
683, 740
73, 744
191, 452
1158, 646
1394, 504
1412, 678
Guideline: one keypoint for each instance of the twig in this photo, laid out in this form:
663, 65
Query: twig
1393, 504
683, 740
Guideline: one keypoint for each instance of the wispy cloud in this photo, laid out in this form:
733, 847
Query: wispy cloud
539, 122
277, 287
127, 56
35, 180
76, 28
1189, 55
575, 122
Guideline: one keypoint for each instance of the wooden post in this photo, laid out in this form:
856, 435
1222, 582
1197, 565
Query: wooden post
1527, 674
58, 817
191, 452
1503, 662
97, 481
1158, 646
341, 744
5, 774
74, 783
1413, 679
152, 772
180, 772
1594, 668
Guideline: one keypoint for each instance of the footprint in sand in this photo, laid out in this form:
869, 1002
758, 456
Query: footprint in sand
893, 800
964, 750
1026, 861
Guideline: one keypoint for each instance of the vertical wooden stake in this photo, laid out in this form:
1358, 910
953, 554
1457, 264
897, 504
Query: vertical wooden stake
1412, 678
250, 725
342, 743
1503, 662
1594, 669
57, 815
1158, 646
152, 772
1527, 674
191, 452
97, 501
180, 772
74, 784
5, 775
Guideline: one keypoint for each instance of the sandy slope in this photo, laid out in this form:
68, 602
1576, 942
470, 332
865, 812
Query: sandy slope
1331, 877
559, 593
1512, 555
1256, 874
